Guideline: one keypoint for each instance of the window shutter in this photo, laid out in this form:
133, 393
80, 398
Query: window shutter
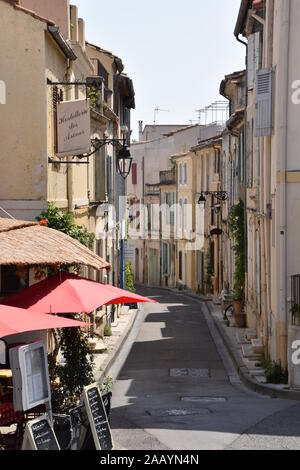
263, 103
180, 174
253, 58
109, 179
172, 215
250, 64
100, 174
169, 259
134, 173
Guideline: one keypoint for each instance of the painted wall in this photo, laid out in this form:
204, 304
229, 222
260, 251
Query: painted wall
56, 10
23, 129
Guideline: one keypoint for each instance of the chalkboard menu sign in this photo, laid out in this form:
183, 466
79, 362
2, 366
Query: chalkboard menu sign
97, 416
39, 435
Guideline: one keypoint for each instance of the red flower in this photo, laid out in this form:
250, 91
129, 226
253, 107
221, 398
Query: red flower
44, 222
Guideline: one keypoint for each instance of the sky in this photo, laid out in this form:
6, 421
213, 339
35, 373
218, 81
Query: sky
176, 52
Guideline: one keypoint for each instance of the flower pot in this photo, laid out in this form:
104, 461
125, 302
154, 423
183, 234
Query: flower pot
239, 316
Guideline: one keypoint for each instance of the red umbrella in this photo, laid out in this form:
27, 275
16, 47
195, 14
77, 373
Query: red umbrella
66, 293
16, 320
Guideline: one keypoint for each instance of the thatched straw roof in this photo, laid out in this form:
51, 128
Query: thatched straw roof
12, 224
28, 243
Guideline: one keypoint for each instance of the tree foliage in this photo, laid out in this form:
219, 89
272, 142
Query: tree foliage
64, 222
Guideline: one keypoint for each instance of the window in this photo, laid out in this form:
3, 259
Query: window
185, 174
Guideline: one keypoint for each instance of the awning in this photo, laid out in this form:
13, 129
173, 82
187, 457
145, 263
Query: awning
15, 320
67, 293
28, 244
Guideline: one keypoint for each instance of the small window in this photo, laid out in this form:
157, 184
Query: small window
180, 174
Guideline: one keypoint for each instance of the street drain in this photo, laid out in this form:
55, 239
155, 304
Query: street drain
204, 399
202, 373
178, 412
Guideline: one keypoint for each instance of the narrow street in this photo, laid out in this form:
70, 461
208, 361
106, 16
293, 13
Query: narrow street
178, 390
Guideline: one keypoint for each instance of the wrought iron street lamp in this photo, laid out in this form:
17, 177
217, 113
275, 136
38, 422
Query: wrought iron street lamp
219, 195
124, 159
124, 162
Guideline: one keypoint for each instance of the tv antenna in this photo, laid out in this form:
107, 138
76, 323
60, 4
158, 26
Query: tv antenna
158, 110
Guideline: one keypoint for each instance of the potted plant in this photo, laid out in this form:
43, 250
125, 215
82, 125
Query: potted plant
238, 309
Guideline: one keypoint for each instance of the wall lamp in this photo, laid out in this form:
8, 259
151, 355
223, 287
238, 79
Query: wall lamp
124, 159
219, 195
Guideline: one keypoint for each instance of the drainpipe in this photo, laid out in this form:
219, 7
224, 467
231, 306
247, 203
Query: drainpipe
282, 166
266, 255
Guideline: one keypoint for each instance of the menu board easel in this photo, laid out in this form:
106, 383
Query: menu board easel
96, 413
39, 435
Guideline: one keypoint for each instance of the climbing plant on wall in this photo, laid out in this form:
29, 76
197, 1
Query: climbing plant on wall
73, 342
237, 230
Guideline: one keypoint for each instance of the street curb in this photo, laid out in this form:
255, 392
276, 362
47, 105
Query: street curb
240, 367
111, 359
243, 371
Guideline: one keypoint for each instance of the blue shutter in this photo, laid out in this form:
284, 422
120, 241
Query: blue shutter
263, 103
169, 258
172, 209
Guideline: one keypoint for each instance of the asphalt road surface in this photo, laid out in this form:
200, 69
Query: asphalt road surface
177, 388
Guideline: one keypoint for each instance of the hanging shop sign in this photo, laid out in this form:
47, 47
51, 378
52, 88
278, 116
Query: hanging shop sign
73, 128
97, 416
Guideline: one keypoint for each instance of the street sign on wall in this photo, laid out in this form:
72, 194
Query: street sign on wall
73, 127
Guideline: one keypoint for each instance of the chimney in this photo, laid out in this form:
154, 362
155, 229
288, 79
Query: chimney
74, 22
81, 32
140, 131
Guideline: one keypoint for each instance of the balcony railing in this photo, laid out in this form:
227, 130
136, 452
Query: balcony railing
167, 177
